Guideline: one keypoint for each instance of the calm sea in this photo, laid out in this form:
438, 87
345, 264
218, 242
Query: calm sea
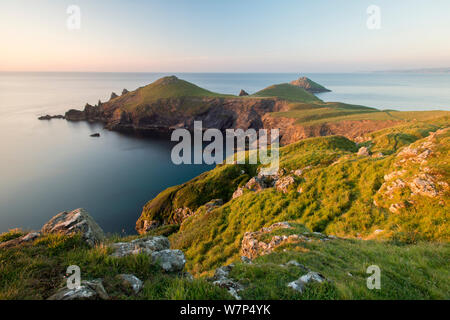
51, 166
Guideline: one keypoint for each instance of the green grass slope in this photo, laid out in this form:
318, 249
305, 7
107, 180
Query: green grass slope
419, 271
288, 92
36, 270
308, 114
337, 197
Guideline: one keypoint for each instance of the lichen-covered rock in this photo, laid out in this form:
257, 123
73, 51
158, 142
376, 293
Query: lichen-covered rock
300, 284
363, 152
222, 279
146, 245
88, 290
131, 281
251, 247
75, 222
284, 183
170, 260
424, 185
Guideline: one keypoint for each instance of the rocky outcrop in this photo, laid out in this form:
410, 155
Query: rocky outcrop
283, 184
222, 279
88, 290
29, 237
49, 117
280, 181
146, 245
131, 281
243, 93
113, 96
180, 214
413, 177
75, 222
363, 152
95, 135
252, 245
169, 260
125, 91
158, 248
300, 284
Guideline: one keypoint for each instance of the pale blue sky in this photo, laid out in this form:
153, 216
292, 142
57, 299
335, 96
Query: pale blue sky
223, 35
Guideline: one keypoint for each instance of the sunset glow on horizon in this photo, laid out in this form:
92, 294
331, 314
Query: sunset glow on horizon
231, 36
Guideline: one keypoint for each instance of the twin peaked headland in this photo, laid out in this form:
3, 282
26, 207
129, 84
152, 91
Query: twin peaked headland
170, 103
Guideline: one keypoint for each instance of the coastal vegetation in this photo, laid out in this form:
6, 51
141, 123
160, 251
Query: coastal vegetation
357, 186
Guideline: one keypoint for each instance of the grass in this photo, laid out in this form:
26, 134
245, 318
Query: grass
198, 191
309, 114
418, 271
36, 271
288, 92
338, 193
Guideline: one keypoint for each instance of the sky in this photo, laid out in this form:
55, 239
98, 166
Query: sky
223, 35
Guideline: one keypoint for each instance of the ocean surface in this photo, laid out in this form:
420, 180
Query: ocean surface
51, 166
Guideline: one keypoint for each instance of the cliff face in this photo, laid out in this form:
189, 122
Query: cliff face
164, 115
291, 132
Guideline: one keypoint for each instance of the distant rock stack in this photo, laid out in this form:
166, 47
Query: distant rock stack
125, 91
243, 93
99, 103
309, 85
113, 95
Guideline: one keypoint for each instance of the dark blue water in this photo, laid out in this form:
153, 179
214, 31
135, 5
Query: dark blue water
50, 166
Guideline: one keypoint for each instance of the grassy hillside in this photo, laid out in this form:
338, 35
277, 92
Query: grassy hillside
337, 196
36, 270
419, 271
307, 114
287, 91
164, 88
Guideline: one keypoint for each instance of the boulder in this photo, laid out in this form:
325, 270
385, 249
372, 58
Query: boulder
125, 91
95, 135
424, 185
146, 245
221, 279
75, 222
284, 183
170, 260
113, 96
363, 152
180, 214
88, 290
130, 280
300, 284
